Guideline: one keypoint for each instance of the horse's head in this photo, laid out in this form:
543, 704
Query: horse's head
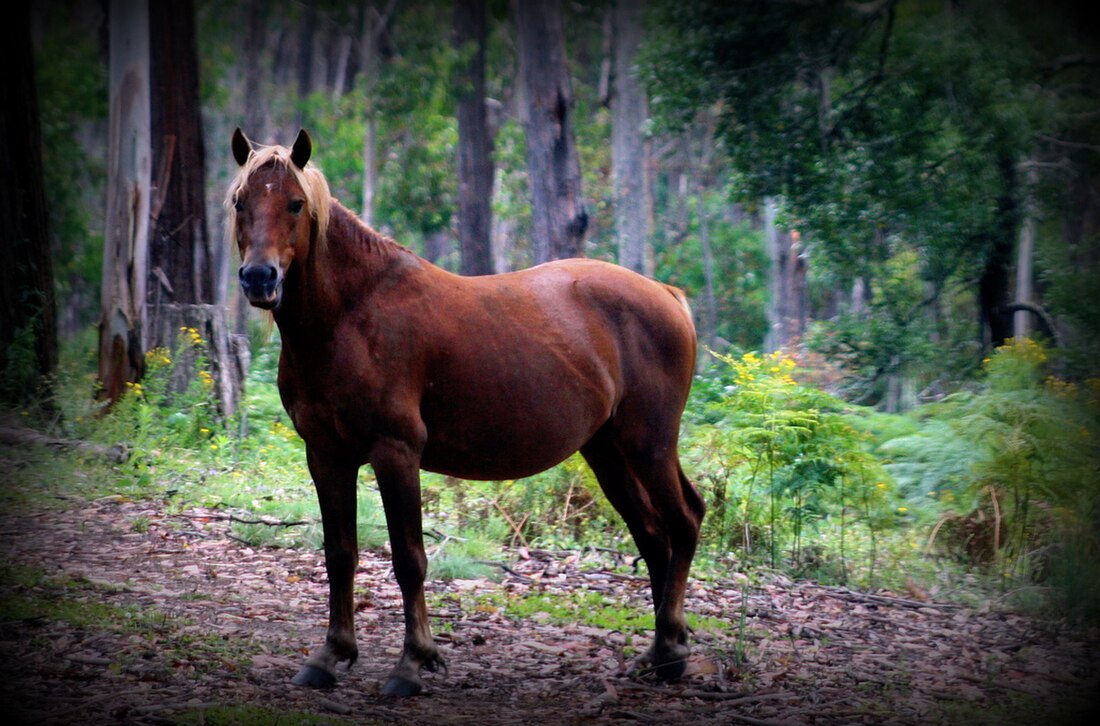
278, 208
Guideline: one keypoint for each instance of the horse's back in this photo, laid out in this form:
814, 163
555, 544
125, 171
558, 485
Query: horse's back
649, 321
534, 362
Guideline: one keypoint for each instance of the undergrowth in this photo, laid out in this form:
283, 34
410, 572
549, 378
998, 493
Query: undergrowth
989, 493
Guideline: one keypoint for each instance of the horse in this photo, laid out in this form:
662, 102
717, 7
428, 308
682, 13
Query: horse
391, 361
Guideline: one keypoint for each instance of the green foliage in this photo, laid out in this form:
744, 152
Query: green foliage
781, 465
739, 262
19, 375
892, 134
1009, 474
559, 507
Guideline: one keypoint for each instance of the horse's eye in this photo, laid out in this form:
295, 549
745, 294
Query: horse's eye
238, 205
295, 207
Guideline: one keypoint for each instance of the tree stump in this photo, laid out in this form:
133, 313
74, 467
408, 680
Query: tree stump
227, 354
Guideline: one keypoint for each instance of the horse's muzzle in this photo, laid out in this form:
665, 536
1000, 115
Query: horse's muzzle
261, 284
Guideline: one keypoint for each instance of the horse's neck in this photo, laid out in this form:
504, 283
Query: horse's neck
352, 261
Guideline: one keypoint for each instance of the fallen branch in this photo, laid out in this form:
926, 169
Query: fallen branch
886, 600
22, 437
268, 521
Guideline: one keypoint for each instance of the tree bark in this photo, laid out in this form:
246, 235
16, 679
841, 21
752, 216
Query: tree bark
776, 260
255, 126
304, 68
369, 55
181, 281
1025, 253
27, 301
226, 355
709, 328
475, 146
629, 148
180, 245
126, 237
558, 216
993, 287
786, 284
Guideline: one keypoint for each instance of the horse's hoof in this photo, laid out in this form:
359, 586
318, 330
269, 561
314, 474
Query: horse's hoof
671, 671
399, 687
314, 677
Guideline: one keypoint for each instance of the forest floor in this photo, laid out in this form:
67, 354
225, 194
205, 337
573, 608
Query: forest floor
117, 611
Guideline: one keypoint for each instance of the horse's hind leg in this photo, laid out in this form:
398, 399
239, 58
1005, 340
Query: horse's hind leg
623, 491
664, 512
681, 510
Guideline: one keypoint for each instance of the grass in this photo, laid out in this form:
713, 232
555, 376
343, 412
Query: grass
30, 595
256, 716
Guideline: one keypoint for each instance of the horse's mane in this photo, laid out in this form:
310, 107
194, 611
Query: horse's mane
313, 183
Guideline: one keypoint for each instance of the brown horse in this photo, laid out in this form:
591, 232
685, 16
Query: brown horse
392, 361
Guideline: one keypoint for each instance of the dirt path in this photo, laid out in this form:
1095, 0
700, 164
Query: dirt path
144, 618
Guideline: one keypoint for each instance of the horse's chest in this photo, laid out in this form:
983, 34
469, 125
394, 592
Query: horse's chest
330, 419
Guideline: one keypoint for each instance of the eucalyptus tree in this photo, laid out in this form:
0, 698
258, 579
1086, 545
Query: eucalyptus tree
559, 218
475, 144
129, 165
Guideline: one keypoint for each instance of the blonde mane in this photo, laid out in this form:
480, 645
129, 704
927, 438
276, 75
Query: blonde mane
312, 181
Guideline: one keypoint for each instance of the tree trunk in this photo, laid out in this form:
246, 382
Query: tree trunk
1024, 256
27, 303
709, 328
776, 259
993, 287
227, 355
475, 147
629, 149
255, 126
126, 237
369, 55
558, 217
180, 255
787, 282
304, 66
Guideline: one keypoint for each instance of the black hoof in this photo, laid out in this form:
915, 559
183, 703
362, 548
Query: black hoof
671, 671
399, 687
314, 677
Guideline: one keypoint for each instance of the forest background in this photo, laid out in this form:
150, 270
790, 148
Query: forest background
885, 216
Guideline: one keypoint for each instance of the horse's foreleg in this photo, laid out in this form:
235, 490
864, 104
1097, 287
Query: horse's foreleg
397, 467
335, 484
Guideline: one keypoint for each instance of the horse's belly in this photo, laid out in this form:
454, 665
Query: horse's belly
508, 439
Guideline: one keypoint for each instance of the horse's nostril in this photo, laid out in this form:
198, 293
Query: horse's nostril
258, 276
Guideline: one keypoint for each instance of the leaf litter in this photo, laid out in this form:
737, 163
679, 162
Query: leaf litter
108, 622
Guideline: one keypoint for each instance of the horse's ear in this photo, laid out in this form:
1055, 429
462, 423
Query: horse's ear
301, 150
242, 147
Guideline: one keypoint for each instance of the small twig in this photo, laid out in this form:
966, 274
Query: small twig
506, 568
269, 522
516, 529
